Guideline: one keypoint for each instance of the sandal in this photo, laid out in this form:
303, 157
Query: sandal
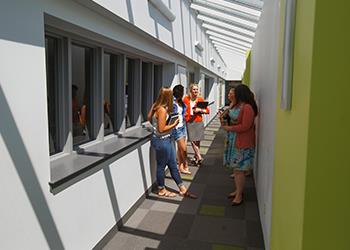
199, 162
167, 194
231, 195
188, 195
185, 172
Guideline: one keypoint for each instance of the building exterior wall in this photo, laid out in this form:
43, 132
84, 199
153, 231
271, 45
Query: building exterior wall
79, 216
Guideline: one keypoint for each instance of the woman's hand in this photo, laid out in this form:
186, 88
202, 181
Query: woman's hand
175, 123
198, 110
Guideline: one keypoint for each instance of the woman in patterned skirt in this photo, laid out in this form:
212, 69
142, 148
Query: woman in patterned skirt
243, 154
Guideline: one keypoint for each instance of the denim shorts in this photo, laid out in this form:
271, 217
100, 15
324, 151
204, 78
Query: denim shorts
178, 133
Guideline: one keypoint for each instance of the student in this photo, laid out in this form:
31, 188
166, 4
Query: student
161, 142
179, 132
245, 139
194, 121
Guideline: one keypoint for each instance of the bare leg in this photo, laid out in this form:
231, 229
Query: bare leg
196, 147
182, 149
239, 181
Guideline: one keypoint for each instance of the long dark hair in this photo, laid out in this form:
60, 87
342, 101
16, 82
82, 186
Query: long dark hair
178, 92
245, 95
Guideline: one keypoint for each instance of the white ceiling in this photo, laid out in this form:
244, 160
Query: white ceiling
231, 26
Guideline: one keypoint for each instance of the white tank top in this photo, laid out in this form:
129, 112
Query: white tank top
155, 127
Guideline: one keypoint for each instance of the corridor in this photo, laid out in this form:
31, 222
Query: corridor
207, 223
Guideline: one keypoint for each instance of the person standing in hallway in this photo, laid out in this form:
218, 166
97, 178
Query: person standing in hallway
161, 142
194, 121
179, 132
229, 117
245, 139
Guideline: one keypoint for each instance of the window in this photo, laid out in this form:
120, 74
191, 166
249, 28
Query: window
191, 77
52, 81
82, 80
157, 80
92, 93
110, 91
128, 87
147, 89
206, 87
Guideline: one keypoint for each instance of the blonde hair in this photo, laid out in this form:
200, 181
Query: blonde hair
164, 99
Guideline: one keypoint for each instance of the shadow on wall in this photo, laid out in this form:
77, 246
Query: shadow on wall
25, 170
130, 13
159, 19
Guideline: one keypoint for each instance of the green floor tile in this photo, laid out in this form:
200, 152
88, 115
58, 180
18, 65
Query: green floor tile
187, 177
212, 210
226, 247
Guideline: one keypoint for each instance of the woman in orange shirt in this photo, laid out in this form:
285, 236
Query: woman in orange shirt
194, 121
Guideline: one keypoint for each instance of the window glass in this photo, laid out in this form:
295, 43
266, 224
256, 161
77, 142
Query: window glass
82, 71
157, 81
129, 73
51, 49
108, 100
147, 93
206, 87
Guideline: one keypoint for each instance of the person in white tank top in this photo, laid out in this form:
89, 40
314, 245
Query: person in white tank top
161, 142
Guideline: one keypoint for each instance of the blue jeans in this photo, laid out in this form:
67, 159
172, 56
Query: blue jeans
165, 155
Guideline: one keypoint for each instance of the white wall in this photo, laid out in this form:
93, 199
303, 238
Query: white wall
264, 67
180, 34
78, 217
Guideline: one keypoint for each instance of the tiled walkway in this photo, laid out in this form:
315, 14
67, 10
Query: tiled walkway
208, 223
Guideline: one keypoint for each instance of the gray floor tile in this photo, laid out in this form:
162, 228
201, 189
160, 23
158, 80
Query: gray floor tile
254, 234
147, 204
128, 241
218, 230
136, 218
180, 226
156, 222
251, 211
165, 207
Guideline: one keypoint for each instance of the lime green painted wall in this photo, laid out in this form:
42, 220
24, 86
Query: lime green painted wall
291, 138
311, 189
327, 196
246, 75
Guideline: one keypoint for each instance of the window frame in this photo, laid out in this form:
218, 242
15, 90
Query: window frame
67, 40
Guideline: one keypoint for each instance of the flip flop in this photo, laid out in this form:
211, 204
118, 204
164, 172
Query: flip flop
167, 194
188, 195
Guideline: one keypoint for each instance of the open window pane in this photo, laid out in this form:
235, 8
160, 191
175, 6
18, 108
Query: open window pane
82, 72
52, 70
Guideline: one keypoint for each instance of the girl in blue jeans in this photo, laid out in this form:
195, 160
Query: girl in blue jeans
161, 142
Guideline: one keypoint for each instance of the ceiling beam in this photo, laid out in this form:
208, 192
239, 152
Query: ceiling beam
218, 40
227, 32
229, 46
229, 39
219, 5
232, 27
221, 47
225, 17
256, 4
